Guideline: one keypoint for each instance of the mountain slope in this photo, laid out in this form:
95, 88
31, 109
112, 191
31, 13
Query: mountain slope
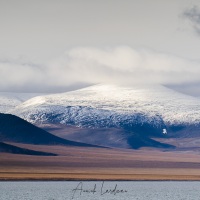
109, 137
7, 148
14, 129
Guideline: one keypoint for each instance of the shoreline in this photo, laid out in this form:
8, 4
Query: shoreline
4, 177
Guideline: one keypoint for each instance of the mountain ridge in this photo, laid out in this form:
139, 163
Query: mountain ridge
140, 111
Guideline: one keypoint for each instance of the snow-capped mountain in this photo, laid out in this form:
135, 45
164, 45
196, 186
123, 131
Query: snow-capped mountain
10, 100
151, 107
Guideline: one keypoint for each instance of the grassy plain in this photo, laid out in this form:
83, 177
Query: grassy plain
81, 163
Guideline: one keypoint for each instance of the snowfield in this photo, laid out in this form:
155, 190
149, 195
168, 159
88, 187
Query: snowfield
112, 106
10, 100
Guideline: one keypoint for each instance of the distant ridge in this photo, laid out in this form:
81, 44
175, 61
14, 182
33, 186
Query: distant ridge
9, 100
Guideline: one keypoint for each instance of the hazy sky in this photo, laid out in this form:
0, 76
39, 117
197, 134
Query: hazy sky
50, 45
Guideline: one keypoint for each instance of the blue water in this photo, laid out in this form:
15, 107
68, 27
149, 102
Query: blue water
66, 190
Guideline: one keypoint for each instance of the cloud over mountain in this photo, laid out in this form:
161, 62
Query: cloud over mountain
123, 65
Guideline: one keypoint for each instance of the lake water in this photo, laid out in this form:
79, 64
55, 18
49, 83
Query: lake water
94, 190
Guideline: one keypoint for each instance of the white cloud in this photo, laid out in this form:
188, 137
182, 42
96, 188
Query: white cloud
16, 75
123, 65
